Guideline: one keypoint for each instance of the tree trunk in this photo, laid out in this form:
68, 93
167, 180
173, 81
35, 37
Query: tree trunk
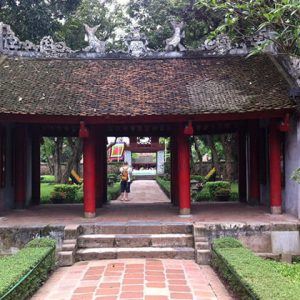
214, 154
197, 150
76, 146
57, 159
227, 141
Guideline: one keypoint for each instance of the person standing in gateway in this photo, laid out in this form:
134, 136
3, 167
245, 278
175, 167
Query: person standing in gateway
125, 175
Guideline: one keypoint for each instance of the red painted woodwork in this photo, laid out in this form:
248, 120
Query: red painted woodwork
104, 197
89, 174
143, 119
36, 173
100, 169
285, 124
275, 168
254, 184
83, 131
242, 162
20, 165
188, 129
183, 173
174, 172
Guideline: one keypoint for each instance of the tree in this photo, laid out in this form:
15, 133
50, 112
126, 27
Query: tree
34, 19
59, 152
154, 16
108, 14
242, 20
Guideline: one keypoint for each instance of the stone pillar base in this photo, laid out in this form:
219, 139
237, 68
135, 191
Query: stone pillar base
184, 212
89, 215
276, 210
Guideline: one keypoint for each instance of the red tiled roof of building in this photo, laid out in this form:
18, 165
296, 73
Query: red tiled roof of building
141, 87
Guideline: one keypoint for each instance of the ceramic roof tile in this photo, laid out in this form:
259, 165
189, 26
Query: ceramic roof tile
141, 87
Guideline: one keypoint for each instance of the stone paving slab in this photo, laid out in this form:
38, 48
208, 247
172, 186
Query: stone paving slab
145, 191
134, 279
146, 204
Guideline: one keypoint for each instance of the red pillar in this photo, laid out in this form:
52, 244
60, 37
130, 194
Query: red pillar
254, 184
89, 174
174, 171
183, 174
104, 169
100, 170
36, 173
275, 169
242, 167
20, 165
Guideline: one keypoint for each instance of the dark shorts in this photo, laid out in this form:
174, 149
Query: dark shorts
125, 186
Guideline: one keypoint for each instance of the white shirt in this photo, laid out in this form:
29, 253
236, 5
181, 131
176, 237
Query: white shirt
129, 169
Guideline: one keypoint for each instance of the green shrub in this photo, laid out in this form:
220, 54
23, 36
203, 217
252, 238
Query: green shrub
47, 179
198, 178
112, 178
252, 277
64, 193
41, 243
113, 191
227, 242
165, 185
23, 273
219, 190
296, 259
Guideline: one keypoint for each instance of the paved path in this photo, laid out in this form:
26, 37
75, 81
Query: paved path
145, 191
134, 279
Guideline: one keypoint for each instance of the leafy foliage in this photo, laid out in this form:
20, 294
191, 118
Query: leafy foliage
65, 193
219, 189
165, 185
23, 273
244, 19
34, 19
253, 277
296, 175
154, 18
113, 191
227, 242
92, 12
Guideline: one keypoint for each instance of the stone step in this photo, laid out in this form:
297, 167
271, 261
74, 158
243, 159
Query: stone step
66, 258
135, 240
203, 257
136, 227
201, 239
200, 231
202, 245
136, 252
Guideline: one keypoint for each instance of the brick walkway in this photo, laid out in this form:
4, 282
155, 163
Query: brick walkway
145, 191
134, 279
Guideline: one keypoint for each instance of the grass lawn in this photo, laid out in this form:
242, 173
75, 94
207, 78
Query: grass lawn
48, 188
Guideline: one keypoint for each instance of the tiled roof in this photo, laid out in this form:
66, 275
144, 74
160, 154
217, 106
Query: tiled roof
141, 87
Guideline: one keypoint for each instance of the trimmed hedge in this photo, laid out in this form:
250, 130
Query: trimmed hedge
219, 190
64, 193
252, 277
113, 191
23, 273
165, 185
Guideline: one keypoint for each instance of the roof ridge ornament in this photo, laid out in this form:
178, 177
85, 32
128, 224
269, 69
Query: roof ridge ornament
137, 42
49, 47
95, 45
174, 42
